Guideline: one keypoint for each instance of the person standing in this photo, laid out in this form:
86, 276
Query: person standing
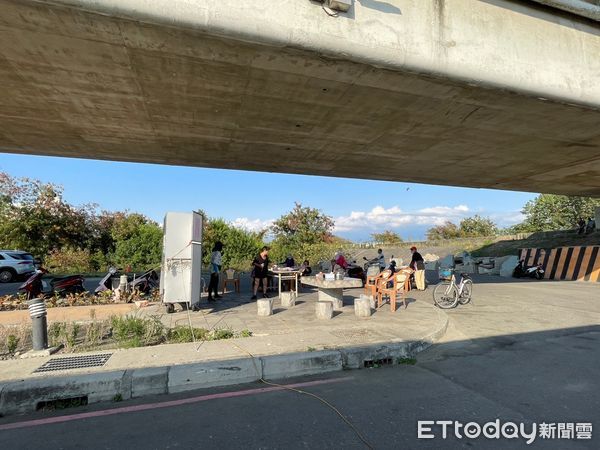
260, 268
381, 260
215, 268
417, 263
580, 226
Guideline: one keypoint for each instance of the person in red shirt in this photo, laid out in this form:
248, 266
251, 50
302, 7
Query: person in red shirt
340, 260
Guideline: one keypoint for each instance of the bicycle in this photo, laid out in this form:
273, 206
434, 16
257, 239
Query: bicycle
448, 294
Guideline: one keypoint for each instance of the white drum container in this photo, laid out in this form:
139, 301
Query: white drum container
181, 274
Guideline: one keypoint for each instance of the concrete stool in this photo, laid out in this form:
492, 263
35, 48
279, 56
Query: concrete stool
288, 299
265, 307
335, 296
324, 310
372, 300
362, 306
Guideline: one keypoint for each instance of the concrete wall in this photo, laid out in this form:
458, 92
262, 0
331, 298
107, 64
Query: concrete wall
505, 44
442, 92
565, 263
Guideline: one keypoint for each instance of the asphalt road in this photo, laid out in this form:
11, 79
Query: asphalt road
522, 378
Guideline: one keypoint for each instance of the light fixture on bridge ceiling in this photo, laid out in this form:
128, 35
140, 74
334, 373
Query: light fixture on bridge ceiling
340, 5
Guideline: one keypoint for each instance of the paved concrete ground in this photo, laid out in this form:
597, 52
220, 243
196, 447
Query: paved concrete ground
523, 352
287, 331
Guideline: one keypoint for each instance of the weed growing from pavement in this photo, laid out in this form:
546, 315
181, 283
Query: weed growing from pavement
14, 339
311, 349
409, 361
181, 334
12, 343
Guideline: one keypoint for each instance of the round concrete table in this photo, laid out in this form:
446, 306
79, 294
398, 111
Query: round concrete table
332, 290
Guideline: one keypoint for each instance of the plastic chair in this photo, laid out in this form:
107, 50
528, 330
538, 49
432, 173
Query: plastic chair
400, 283
230, 276
373, 275
381, 282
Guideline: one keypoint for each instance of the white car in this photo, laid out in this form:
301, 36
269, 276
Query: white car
14, 264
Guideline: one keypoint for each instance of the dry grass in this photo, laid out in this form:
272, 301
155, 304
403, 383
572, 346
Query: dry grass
14, 338
19, 302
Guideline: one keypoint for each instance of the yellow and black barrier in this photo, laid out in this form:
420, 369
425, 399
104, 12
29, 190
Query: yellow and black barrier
565, 263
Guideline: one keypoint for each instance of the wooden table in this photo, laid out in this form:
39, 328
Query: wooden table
332, 290
285, 275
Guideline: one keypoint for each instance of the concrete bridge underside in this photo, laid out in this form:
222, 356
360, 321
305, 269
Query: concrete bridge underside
96, 80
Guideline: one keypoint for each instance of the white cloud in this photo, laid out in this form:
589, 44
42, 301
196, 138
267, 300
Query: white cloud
380, 217
506, 219
393, 218
252, 224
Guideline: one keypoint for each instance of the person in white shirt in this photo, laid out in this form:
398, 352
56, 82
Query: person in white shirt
215, 269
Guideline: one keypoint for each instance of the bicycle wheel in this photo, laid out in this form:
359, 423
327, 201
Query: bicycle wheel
445, 295
467, 292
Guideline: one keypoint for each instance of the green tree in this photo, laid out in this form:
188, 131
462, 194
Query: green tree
477, 226
240, 246
140, 247
548, 212
305, 233
35, 217
388, 237
448, 230
304, 225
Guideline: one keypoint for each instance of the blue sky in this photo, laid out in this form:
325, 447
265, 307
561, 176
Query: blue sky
253, 199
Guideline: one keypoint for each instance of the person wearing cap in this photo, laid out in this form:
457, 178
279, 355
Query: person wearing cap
417, 263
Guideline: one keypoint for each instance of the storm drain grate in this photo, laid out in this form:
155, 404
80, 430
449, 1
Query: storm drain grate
74, 362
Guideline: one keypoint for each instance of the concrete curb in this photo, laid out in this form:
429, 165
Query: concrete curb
24, 396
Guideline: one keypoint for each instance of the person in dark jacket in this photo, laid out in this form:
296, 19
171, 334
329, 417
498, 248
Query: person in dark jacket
417, 263
289, 261
260, 269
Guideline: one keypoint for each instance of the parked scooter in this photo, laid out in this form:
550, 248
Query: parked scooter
355, 271
522, 271
144, 284
105, 283
33, 287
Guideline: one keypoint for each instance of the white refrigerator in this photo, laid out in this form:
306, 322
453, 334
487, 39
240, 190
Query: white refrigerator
181, 274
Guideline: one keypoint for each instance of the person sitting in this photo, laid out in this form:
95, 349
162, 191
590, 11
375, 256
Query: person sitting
580, 226
306, 269
591, 226
392, 266
339, 261
289, 261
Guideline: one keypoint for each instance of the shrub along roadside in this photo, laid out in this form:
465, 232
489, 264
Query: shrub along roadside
116, 332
